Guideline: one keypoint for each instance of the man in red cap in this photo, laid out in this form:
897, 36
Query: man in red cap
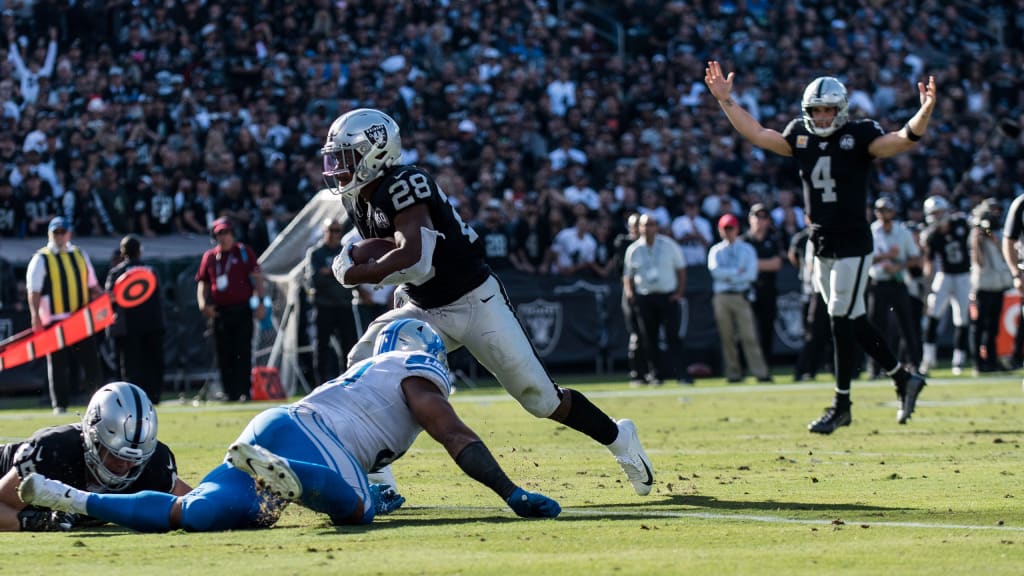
733, 266
228, 278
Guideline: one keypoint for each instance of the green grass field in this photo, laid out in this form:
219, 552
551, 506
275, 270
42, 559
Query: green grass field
742, 488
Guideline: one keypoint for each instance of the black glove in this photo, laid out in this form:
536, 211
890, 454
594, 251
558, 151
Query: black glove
43, 520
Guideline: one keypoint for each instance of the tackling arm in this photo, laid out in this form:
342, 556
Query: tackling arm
433, 412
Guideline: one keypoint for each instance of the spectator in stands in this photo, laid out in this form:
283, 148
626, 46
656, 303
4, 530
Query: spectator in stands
495, 236
531, 237
11, 209
39, 204
574, 248
155, 209
693, 232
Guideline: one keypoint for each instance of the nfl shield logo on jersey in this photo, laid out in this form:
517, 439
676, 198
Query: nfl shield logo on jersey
543, 321
377, 135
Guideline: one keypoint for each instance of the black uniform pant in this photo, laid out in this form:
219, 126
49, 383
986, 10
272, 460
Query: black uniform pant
87, 355
766, 308
817, 337
232, 335
635, 352
891, 296
339, 322
141, 359
657, 312
986, 328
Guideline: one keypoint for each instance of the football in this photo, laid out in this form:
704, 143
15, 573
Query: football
374, 248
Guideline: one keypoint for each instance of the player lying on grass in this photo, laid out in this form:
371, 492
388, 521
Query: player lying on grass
317, 451
114, 449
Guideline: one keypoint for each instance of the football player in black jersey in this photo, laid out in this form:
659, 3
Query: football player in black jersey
114, 449
1013, 253
944, 243
439, 264
835, 157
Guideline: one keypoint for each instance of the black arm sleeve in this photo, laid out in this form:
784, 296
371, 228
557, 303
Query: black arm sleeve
478, 463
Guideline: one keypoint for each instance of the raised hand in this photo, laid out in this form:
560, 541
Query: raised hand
927, 93
720, 86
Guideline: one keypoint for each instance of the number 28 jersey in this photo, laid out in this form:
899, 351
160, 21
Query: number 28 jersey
458, 265
835, 171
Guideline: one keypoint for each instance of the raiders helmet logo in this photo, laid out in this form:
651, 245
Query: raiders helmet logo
846, 142
377, 135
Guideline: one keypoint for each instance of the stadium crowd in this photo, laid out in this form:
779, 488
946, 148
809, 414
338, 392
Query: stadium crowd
158, 117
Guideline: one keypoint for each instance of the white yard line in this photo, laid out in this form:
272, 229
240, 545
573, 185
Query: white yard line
853, 523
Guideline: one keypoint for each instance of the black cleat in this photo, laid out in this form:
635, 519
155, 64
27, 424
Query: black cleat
911, 391
830, 420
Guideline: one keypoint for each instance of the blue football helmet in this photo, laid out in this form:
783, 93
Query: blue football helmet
411, 335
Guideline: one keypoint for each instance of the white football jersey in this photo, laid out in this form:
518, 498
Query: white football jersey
365, 407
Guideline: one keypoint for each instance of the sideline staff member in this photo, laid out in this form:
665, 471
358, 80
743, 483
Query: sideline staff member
654, 279
139, 330
333, 303
61, 280
228, 277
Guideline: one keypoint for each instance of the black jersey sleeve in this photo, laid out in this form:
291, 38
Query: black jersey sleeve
55, 452
458, 262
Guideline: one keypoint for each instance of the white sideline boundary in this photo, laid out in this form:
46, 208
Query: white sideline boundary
668, 390
852, 523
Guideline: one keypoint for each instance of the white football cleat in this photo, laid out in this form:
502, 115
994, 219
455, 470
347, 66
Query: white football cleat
270, 471
38, 490
630, 455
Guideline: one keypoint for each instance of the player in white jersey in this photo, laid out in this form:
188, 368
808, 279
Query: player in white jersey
318, 450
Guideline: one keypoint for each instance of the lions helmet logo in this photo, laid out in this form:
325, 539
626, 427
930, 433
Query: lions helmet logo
377, 135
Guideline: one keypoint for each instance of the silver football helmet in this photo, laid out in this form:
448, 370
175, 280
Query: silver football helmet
409, 334
936, 209
825, 92
360, 145
119, 421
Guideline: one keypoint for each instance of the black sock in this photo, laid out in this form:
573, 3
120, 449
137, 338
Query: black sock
589, 419
845, 354
872, 343
842, 402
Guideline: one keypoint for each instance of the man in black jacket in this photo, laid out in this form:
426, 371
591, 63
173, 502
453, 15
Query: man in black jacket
139, 330
333, 303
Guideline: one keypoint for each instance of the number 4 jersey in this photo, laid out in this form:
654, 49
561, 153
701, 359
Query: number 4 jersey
835, 171
458, 263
